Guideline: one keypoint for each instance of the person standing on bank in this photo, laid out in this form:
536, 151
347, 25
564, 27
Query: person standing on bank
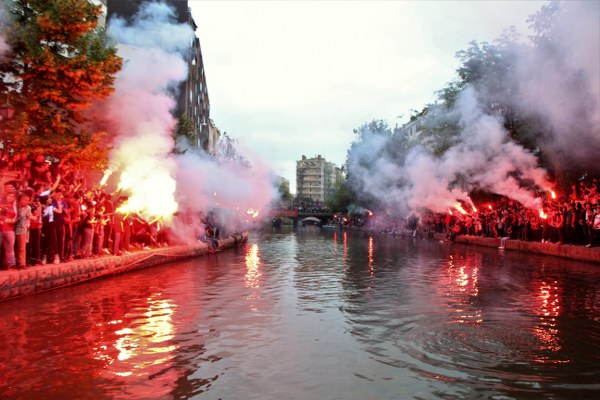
24, 216
60, 209
8, 217
48, 232
34, 250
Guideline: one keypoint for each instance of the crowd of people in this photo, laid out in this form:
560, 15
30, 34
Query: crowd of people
308, 205
573, 218
48, 214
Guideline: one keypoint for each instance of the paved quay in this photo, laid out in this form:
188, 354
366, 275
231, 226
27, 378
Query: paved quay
37, 279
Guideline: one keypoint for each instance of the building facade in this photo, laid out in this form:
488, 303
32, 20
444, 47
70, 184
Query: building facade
316, 178
192, 95
214, 137
411, 130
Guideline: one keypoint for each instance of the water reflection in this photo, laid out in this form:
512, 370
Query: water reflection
310, 315
370, 255
253, 274
142, 348
462, 289
548, 308
143, 339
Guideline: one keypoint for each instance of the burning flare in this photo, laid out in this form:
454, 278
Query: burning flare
107, 175
459, 207
252, 212
150, 192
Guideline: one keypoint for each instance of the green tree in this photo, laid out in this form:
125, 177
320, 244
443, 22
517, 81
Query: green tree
543, 24
227, 151
185, 132
341, 198
488, 67
284, 192
58, 64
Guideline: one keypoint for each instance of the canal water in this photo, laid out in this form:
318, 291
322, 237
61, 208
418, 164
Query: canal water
314, 314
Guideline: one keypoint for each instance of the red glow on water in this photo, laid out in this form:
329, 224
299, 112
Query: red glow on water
253, 273
345, 248
253, 278
548, 308
462, 288
370, 252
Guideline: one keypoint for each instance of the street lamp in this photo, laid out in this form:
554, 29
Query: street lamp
6, 111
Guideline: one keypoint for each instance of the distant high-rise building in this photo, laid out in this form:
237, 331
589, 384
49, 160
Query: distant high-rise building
192, 95
316, 178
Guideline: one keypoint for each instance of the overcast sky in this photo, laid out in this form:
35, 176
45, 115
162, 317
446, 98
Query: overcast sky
293, 78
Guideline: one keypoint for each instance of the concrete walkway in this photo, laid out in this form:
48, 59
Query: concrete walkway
18, 283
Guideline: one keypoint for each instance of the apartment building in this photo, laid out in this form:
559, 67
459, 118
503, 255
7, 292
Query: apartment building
316, 178
192, 95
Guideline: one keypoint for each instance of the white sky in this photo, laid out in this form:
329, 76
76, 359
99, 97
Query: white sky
293, 78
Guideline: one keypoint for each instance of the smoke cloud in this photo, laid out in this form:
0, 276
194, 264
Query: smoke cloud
482, 158
140, 108
240, 193
557, 85
559, 82
4, 18
156, 181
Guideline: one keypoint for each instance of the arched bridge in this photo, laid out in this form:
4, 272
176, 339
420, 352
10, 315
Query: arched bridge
304, 217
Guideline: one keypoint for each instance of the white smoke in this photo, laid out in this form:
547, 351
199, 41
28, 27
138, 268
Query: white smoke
483, 157
558, 87
156, 181
140, 108
240, 194
560, 83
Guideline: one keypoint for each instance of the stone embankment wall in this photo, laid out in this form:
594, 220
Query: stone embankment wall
18, 283
579, 253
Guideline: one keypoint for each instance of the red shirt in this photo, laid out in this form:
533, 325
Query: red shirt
8, 213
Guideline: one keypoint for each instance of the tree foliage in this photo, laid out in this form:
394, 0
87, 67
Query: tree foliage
58, 64
227, 151
341, 199
284, 192
184, 133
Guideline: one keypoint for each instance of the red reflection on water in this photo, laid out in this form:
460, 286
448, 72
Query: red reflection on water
547, 305
345, 248
462, 288
253, 274
370, 253
141, 348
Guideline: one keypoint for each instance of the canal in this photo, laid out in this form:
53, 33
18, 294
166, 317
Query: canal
314, 314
